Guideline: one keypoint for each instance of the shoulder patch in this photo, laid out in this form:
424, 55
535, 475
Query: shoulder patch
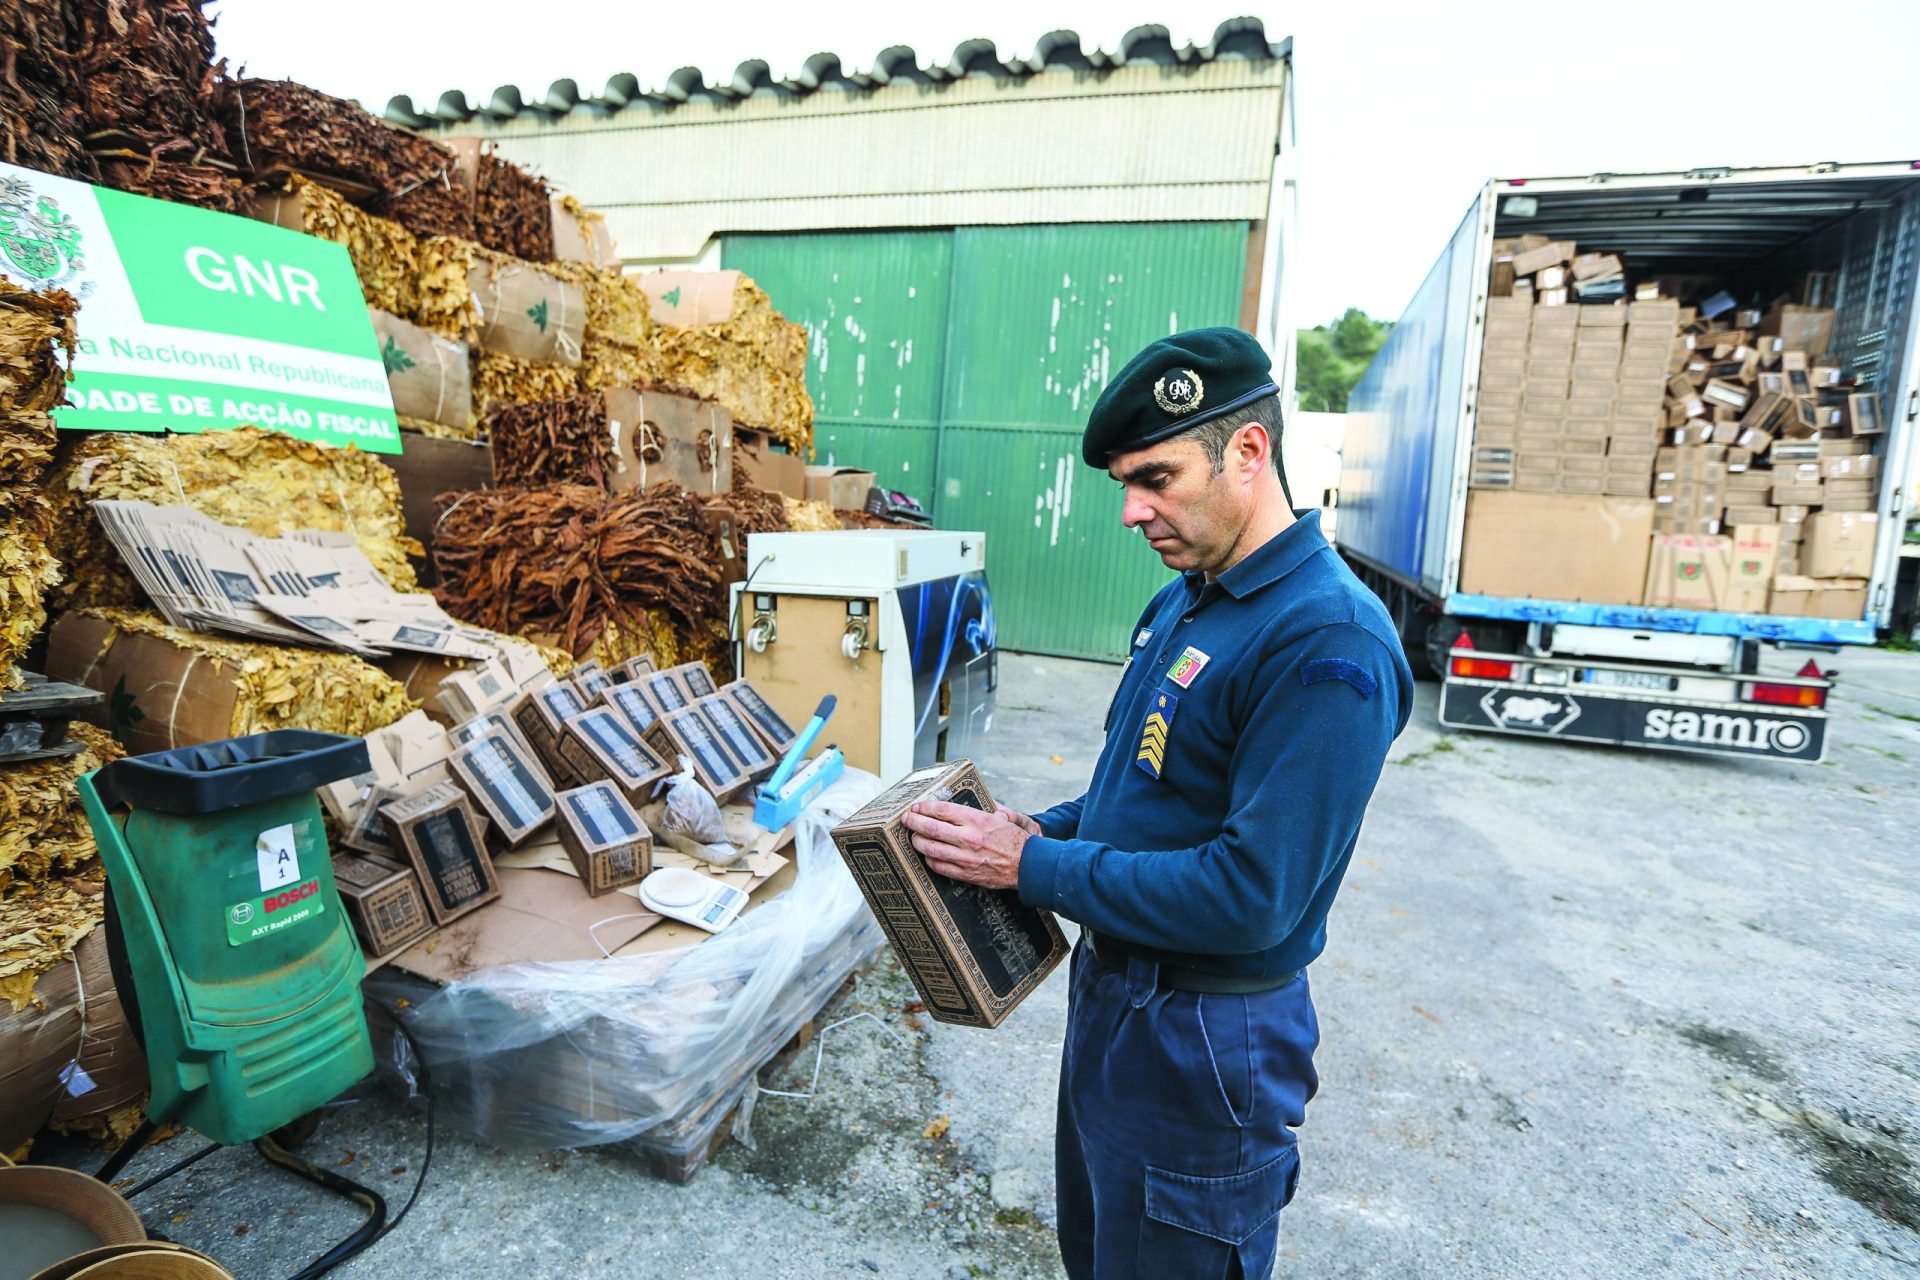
1352, 673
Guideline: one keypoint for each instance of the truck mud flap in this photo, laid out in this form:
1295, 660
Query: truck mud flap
1635, 720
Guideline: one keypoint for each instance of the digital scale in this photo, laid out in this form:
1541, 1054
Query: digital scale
681, 893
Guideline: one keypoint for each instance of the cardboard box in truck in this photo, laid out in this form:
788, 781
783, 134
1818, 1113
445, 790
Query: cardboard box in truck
1556, 546
1840, 544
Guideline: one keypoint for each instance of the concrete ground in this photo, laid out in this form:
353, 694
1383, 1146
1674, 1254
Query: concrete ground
1585, 1012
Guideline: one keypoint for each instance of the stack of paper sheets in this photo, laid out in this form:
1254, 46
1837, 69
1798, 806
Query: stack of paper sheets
312, 587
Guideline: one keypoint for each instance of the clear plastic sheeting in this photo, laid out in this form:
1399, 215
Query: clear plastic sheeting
655, 1049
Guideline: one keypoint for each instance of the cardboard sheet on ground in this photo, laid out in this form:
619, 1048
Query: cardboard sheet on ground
543, 915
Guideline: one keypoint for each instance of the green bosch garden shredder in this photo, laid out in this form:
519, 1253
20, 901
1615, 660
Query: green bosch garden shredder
238, 967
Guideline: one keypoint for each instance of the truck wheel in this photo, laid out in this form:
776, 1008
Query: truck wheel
1413, 623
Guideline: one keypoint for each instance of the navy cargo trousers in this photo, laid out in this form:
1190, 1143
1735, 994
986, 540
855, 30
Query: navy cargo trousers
1175, 1149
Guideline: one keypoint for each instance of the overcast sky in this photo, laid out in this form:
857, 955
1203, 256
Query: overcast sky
1404, 107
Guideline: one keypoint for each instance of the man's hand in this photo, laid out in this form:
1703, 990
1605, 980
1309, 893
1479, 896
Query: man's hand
966, 844
1019, 820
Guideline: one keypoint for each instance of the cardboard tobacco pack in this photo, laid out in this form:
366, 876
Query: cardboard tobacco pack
383, 900
542, 716
599, 744
694, 678
769, 724
492, 771
973, 953
737, 733
632, 704
442, 840
690, 732
604, 838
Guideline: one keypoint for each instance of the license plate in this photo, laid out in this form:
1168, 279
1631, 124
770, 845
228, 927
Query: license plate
1629, 679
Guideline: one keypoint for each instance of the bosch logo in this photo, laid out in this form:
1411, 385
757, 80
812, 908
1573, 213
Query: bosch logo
291, 896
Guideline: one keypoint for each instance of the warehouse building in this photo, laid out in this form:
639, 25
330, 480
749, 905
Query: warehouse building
974, 248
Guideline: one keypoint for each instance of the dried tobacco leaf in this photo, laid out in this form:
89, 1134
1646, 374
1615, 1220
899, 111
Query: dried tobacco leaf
40, 92
571, 561
39, 925
28, 572
500, 379
280, 127
262, 481
755, 509
618, 350
149, 74
386, 256
810, 517
512, 209
563, 441
43, 832
35, 327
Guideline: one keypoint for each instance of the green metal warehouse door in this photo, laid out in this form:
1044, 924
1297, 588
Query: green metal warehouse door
960, 366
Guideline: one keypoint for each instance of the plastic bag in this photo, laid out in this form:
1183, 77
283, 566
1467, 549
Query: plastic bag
643, 1047
691, 821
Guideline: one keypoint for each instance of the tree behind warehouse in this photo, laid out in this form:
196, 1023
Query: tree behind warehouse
1332, 358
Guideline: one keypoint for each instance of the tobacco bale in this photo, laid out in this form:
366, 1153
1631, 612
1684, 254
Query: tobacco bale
386, 256
755, 509
562, 441
754, 362
618, 349
179, 683
280, 126
500, 379
810, 517
149, 71
178, 181
445, 295
35, 328
259, 480
570, 560
149, 75
40, 92
28, 571
43, 832
512, 209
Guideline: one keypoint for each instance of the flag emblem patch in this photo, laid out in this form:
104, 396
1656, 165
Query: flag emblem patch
1152, 753
1189, 665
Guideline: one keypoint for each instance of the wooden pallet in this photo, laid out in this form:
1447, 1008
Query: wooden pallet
681, 1168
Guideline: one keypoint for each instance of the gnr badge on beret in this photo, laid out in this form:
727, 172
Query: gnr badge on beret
1152, 752
1179, 392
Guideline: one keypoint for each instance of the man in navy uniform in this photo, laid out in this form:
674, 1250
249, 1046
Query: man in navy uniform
1263, 689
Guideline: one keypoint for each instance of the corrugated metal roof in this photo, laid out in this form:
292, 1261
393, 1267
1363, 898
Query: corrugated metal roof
1057, 51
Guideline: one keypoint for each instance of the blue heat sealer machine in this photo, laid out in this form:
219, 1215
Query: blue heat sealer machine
793, 786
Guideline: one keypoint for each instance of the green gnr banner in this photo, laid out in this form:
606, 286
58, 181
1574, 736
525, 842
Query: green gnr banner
192, 320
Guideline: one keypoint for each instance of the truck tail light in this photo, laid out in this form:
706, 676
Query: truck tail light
1787, 695
1482, 668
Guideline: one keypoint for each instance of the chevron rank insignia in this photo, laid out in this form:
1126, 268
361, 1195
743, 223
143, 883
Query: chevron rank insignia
1153, 733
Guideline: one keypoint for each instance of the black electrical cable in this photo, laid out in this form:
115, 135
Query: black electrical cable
176, 1167
426, 1091
328, 1261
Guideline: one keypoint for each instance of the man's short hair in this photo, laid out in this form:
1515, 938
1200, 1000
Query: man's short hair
1214, 435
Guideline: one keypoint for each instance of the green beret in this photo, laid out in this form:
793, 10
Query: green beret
1176, 383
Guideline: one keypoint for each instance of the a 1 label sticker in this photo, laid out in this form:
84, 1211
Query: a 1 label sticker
279, 863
